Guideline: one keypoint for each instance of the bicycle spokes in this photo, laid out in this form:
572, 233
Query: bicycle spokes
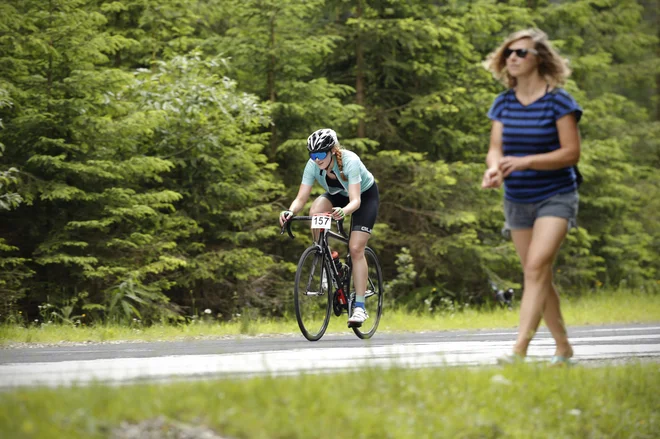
312, 299
373, 296
317, 279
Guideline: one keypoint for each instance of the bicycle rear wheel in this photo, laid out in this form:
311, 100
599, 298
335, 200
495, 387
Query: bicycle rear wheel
373, 300
311, 295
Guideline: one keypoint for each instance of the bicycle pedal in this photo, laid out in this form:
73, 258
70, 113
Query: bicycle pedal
354, 324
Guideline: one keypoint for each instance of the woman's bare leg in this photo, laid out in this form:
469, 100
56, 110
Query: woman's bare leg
547, 236
320, 205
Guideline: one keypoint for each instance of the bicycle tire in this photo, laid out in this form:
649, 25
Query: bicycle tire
375, 285
308, 278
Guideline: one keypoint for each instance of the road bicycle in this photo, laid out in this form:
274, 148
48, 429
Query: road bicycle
323, 283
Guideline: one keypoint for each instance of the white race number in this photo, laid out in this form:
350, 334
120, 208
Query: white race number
321, 221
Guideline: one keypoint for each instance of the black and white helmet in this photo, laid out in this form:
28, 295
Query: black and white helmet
322, 140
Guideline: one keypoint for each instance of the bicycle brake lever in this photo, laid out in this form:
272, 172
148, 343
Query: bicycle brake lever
340, 227
288, 229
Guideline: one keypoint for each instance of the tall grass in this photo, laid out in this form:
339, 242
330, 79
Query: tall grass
624, 306
517, 402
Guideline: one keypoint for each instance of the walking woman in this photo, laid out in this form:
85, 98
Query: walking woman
534, 147
350, 189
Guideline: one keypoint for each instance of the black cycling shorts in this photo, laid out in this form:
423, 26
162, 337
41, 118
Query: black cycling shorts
364, 218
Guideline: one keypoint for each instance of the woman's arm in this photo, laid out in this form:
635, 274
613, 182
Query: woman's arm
567, 155
354, 197
493, 176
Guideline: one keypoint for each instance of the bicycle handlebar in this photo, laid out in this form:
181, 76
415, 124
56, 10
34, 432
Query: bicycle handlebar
287, 225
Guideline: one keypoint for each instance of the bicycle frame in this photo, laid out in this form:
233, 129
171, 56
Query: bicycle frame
340, 298
323, 245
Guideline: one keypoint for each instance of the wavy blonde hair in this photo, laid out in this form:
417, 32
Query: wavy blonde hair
552, 67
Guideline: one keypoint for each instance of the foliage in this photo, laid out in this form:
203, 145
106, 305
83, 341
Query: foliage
147, 146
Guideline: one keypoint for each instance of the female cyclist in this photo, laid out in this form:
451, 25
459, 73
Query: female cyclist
350, 189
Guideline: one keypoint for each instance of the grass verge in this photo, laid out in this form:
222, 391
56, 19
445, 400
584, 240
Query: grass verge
624, 306
515, 402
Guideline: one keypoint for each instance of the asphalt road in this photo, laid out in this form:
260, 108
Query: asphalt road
279, 355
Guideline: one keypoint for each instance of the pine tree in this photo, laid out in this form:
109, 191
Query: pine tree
91, 205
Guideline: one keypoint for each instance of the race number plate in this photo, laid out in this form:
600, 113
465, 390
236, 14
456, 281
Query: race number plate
321, 221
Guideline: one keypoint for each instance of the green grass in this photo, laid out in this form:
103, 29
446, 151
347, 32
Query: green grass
625, 306
522, 401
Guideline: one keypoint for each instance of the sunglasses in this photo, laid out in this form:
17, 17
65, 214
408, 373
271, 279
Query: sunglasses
318, 155
520, 53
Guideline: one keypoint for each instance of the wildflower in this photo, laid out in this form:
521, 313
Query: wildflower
500, 379
207, 311
83, 315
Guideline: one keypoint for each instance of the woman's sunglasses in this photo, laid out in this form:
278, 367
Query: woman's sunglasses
520, 53
318, 155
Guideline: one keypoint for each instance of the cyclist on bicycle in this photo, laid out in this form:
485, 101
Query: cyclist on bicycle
350, 189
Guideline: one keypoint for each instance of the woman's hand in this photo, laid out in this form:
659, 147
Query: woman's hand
510, 163
338, 213
492, 178
284, 217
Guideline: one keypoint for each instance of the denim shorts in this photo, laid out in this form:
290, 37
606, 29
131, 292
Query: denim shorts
522, 215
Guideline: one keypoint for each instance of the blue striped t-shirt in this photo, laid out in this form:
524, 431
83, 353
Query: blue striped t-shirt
532, 129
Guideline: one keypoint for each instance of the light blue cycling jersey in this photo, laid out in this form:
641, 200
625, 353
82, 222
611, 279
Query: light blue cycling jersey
354, 170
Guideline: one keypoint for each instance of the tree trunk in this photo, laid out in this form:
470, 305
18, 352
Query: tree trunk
49, 76
359, 74
272, 95
657, 76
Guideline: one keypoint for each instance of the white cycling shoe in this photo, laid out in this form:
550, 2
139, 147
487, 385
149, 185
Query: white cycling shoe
358, 317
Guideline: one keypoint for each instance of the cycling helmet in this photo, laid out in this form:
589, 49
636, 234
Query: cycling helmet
322, 140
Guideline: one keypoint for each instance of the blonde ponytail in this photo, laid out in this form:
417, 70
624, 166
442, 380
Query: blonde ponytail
340, 162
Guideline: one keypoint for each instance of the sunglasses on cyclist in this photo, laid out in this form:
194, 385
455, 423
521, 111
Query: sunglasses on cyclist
318, 155
520, 53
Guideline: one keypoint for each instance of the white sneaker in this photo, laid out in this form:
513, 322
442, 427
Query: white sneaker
358, 317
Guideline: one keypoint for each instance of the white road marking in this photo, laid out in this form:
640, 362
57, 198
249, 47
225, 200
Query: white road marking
643, 328
309, 360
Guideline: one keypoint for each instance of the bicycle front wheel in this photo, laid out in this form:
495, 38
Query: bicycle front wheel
312, 294
373, 297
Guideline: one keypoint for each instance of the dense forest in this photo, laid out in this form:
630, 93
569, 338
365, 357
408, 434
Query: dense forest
148, 146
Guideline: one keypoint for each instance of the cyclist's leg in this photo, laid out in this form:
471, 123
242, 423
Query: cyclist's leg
322, 204
362, 222
356, 247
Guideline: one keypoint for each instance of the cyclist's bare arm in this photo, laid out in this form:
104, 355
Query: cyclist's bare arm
354, 197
